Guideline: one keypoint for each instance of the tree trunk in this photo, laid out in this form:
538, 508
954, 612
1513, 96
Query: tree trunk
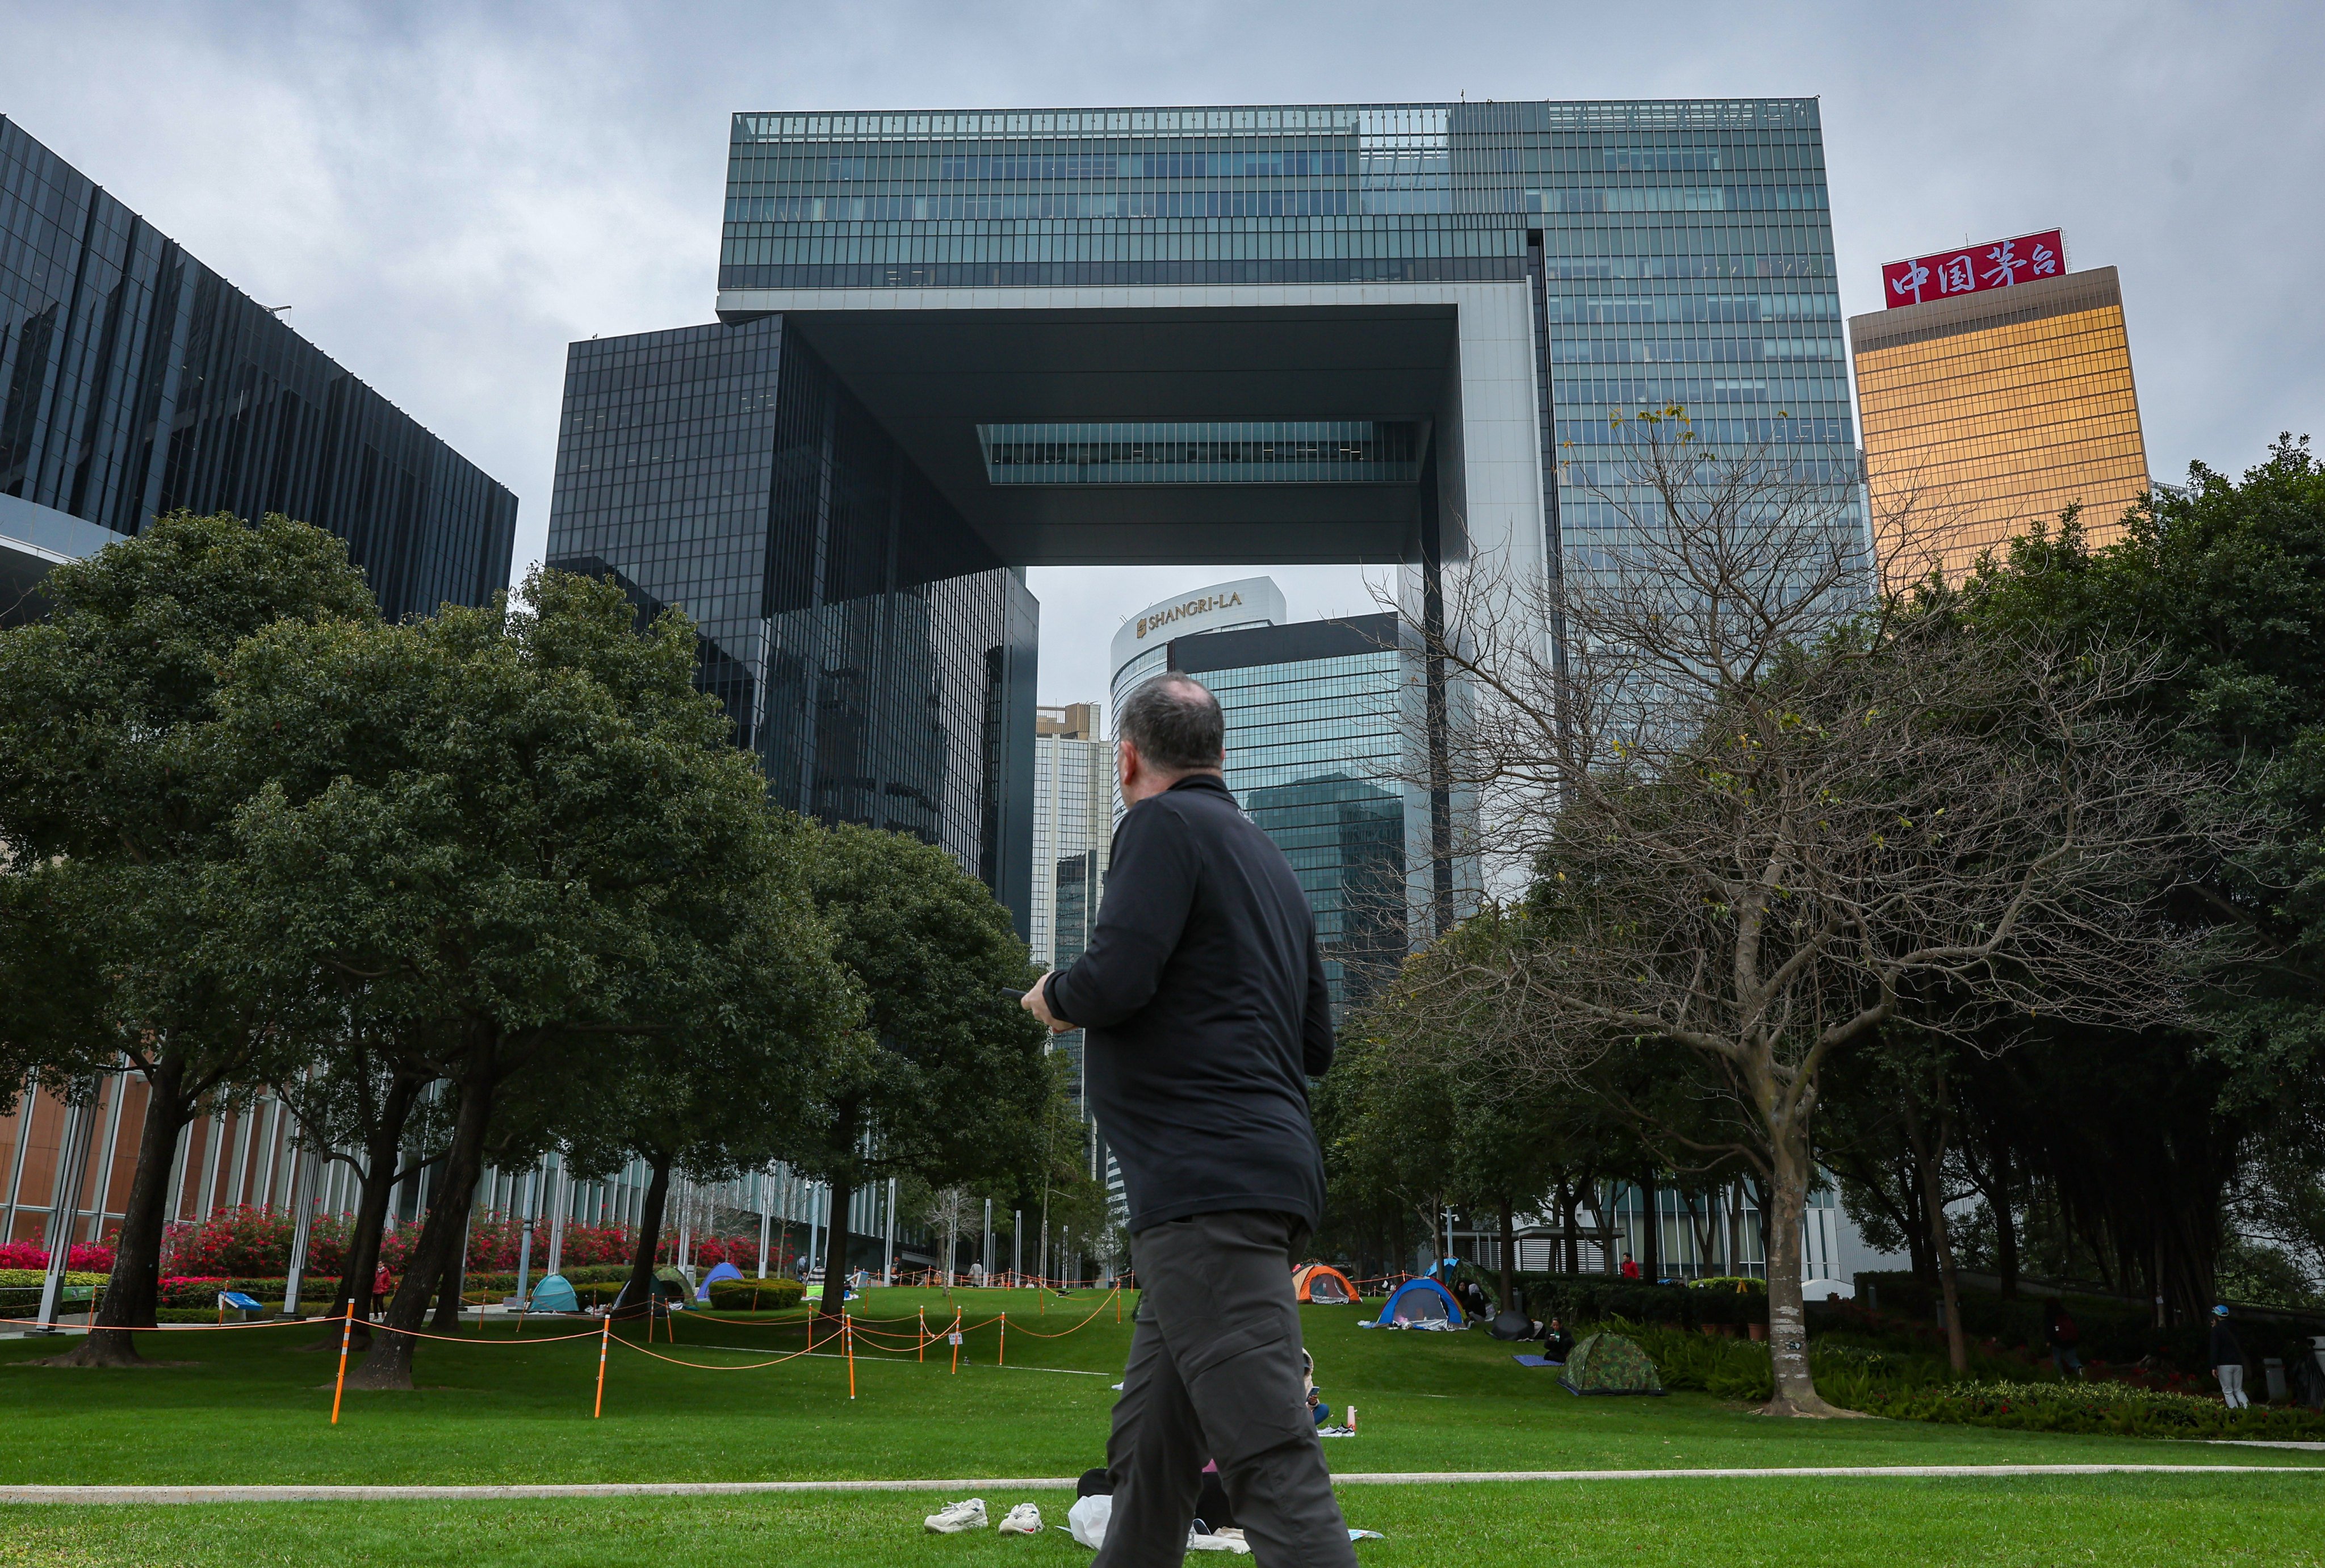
637, 1294
452, 1284
1929, 1169
2005, 1223
1571, 1247
1788, 1338
834, 1251
382, 1150
133, 1289
389, 1363
1509, 1256
1651, 1234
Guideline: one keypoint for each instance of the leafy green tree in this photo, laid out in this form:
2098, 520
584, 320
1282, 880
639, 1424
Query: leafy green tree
714, 1101
951, 1085
2223, 581
116, 821
525, 836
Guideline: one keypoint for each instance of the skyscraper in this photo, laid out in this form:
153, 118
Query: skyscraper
1317, 720
134, 381
1390, 333
1994, 395
1073, 832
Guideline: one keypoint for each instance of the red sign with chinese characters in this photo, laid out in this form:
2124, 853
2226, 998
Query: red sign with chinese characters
1975, 267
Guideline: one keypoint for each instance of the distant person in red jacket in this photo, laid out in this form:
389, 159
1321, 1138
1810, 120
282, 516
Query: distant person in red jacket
1630, 1267
382, 1288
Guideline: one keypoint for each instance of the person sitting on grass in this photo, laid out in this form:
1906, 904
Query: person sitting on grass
1557, 1344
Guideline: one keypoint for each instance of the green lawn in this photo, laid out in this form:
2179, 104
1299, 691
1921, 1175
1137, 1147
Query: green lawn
253, 1407
2120, 1522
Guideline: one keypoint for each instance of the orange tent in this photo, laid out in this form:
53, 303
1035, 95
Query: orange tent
1324, 1284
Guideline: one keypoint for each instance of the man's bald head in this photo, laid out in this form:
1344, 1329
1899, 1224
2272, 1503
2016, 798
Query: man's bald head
1175, 723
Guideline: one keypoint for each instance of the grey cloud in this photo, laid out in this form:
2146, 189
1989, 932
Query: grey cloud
450, 194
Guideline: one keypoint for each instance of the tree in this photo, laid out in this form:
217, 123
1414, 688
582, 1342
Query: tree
1766, 814
2224, 579
951, 1086
116, 821
526, 837
712, 1101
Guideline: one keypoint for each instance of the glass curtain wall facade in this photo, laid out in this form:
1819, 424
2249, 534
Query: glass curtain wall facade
134, 381
1987, 413
872, 651
1315, 741
1680, 251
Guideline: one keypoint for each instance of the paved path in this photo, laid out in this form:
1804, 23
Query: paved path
970, 1486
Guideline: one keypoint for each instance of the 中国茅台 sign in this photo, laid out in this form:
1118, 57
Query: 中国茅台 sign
1974, 268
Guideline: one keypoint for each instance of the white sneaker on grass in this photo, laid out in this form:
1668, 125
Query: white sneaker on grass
1024, 1519
954, 1517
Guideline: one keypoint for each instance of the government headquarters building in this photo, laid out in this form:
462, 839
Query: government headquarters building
952, 345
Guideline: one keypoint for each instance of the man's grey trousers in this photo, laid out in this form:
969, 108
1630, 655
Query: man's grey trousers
1215, 1374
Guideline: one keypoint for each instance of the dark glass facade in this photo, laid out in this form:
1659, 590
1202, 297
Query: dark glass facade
1315, 739
134, 381
872, 651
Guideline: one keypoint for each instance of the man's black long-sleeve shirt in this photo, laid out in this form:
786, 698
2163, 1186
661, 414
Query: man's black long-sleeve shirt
1202, 996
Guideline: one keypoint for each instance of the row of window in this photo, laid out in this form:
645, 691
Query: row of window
1415, 195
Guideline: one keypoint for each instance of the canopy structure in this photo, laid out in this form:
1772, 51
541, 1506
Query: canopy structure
1421, 1300
723, 1271
1609, 1364
1323, 1286
554, 1293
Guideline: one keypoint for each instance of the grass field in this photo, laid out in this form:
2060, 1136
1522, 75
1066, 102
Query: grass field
254, 1407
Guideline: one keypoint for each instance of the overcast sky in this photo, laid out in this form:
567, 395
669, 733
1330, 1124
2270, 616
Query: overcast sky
448, 194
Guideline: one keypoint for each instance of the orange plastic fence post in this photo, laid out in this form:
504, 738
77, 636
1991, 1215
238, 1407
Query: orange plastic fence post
848, 1342
1117, 1304
1003, 1358
955, 1337
347, 1332
605, 1337
924, 1336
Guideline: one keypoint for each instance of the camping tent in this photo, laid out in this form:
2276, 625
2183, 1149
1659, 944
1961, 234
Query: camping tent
1609, 1364
554, 1293
1322, 1284
1420, 1300
723, 1271
1453, 1273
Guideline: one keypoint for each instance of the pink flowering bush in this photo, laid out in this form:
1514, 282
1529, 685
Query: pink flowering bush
248, 1240
89, 1258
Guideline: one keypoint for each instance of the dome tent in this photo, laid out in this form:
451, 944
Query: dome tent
1322, 1285
1421, 1300
554, 1293
723, 1271
1606, 1363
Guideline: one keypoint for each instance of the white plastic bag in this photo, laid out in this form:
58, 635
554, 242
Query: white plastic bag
1087, 1520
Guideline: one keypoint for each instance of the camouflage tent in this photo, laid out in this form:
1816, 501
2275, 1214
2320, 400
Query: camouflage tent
1607, 1363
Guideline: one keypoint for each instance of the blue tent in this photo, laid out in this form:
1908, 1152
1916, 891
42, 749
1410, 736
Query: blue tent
1422, 1300
554, 1295
723, 1271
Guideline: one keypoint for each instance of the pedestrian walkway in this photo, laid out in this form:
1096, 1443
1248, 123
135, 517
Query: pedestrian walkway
327, 1494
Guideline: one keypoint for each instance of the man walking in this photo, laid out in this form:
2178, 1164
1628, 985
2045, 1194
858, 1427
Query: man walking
1202, 993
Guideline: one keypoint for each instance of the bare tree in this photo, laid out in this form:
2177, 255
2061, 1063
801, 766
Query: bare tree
950, 1210
1762, 808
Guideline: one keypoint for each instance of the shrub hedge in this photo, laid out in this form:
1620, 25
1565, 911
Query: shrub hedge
1917, 1388
761, 1296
